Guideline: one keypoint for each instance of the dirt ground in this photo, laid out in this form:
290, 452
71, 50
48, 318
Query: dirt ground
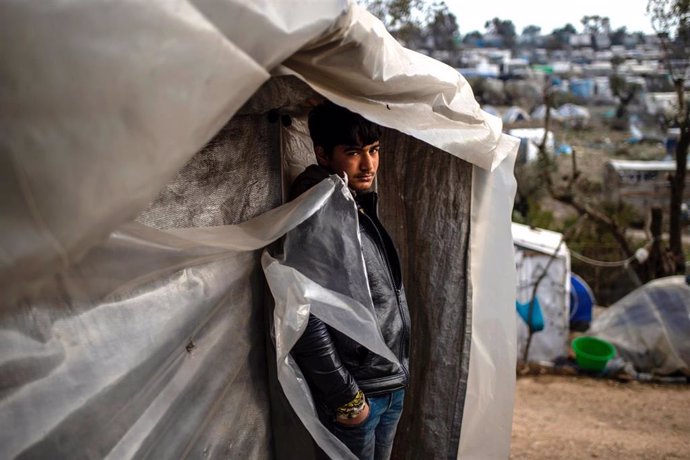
567, 417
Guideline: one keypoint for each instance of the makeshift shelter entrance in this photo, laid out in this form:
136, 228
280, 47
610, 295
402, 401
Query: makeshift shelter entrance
130, 339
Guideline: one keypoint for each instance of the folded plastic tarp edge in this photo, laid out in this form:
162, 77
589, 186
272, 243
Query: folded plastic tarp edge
393, 86
167, 277
402, 89
487, 417
127, 141
261, 230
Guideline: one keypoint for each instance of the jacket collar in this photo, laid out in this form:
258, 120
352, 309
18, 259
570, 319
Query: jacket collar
367, 201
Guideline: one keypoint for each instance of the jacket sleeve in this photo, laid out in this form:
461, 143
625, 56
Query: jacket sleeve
320, 363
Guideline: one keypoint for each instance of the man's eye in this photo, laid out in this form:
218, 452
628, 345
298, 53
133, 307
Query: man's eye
352, 152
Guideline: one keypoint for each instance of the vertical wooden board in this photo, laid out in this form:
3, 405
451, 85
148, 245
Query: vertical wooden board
425, 205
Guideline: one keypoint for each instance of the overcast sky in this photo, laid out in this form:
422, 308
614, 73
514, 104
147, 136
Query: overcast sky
549, 15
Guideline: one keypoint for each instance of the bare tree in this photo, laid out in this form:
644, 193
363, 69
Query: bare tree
671, 22
417, 23
573, 191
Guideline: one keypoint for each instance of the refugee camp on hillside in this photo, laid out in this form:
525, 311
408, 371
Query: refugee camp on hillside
344, 229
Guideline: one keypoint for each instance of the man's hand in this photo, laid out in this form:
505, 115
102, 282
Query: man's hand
357, 420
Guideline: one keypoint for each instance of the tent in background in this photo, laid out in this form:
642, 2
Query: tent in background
649, 326
530, 140
574, 115
146, 338
514, 114
538, 251
573, 112
539, 113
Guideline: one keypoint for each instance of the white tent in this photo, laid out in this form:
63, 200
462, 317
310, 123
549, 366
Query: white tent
530, 139
573, 112
514, 114
649, 326
123, 340
538, 251
539, 113
574, 115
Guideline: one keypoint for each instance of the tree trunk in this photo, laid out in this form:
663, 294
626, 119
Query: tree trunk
655, 262
678, 183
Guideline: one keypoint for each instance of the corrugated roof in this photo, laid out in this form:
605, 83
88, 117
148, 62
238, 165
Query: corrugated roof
632, 165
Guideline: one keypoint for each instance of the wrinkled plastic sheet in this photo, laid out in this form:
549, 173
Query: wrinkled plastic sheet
402, 89
116, 89
649, 327
127, 350
488, 412
129, 92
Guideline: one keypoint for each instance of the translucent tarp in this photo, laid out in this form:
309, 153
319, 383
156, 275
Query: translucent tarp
488, 414
101, 104
649, 326
151, 346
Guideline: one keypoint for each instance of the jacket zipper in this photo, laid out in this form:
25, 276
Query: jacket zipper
395, 289
403, 334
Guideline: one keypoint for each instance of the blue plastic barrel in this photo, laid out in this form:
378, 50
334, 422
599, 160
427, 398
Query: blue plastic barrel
581, 301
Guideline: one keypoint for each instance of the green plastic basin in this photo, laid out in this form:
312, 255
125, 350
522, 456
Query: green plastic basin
592, 353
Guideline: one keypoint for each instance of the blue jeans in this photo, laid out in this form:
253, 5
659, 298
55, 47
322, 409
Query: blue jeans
373, 439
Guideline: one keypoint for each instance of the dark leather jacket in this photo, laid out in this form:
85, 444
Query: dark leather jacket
336, 366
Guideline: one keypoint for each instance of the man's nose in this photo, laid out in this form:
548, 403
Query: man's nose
365, 164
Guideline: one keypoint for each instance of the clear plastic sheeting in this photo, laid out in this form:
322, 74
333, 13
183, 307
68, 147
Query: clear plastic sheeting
130, 91
321, 271
101, 103
649, 326
126, 355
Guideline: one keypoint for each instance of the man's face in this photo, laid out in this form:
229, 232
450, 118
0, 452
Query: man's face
360, 163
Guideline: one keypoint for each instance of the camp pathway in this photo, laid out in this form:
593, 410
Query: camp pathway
566, 417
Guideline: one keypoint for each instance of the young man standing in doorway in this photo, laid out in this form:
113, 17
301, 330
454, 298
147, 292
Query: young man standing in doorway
359, 395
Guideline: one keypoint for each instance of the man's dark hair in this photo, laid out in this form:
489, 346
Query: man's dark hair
331, 125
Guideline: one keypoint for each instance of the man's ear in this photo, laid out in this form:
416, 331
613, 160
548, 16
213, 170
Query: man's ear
321, 157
